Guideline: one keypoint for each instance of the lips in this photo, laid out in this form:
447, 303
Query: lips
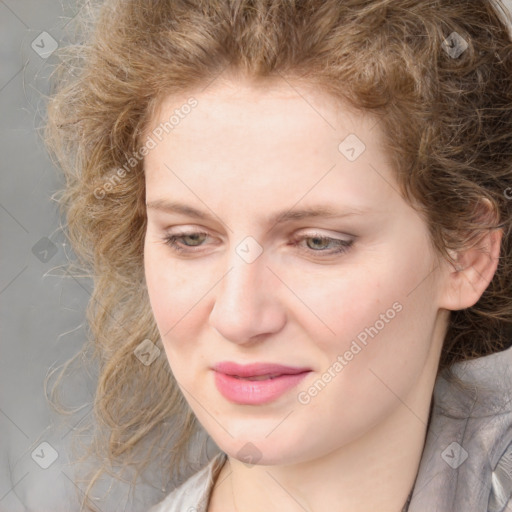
256, 384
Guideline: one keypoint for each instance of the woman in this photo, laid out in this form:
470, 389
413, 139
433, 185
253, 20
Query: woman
297, 218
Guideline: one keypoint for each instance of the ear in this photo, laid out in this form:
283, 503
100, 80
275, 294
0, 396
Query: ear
473, 271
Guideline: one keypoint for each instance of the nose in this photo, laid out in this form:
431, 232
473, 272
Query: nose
247, 308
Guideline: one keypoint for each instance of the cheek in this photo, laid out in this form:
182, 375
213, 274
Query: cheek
178, 296
167, 288
339, 303
383, 311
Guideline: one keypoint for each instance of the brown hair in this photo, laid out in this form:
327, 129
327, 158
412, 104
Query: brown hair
446, 111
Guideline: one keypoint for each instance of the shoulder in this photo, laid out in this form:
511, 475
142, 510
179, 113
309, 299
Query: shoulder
467, 458
193, 495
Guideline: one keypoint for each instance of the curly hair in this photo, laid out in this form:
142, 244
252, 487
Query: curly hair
437, 75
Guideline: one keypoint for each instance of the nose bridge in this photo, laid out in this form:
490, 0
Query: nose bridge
241, 288
244, 303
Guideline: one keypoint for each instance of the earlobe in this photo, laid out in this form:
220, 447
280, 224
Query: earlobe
472, 272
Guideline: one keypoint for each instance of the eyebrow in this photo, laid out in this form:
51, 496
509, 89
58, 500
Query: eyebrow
322, 211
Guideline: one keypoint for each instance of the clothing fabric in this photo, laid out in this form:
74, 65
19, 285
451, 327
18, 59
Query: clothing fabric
466, 465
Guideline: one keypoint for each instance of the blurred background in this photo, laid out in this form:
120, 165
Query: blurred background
41, 306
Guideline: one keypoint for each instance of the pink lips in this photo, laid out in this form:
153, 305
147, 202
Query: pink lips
235, 382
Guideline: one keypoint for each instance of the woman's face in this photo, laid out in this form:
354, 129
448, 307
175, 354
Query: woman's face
293, 247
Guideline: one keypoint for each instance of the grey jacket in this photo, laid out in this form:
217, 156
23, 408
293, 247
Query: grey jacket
466, 465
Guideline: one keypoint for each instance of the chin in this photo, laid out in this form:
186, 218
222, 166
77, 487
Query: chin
261, 450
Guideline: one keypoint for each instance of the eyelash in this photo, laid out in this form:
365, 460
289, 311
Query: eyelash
343, 245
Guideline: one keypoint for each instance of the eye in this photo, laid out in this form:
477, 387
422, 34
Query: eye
195, 237
318, 243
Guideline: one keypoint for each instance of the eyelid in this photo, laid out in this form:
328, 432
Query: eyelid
304, 232
325, 234
313, 232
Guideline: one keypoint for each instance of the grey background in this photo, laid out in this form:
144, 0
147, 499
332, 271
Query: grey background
42, 308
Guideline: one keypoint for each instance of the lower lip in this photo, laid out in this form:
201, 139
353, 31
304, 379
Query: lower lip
255, 392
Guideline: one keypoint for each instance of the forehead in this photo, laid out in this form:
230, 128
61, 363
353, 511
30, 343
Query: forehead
276, 101
277, 141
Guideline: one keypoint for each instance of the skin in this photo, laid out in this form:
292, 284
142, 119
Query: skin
244, 153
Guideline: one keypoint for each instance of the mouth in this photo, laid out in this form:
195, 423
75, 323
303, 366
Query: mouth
257, 377
265, 370
256, 384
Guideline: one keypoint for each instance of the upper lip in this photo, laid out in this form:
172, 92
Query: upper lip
257, 369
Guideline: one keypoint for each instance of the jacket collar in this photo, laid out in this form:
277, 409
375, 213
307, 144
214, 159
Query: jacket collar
467, 458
